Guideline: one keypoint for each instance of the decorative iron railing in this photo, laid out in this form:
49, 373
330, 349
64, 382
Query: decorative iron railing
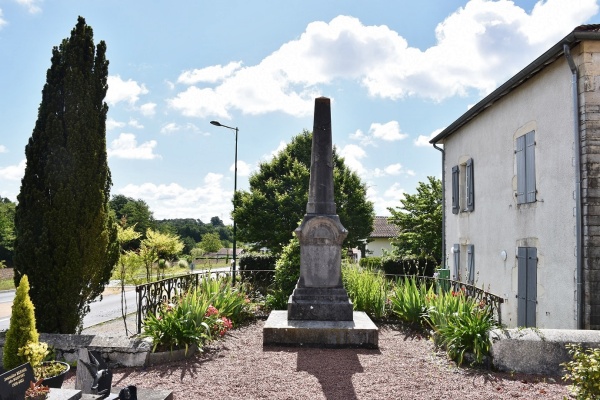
151, 296
472, 291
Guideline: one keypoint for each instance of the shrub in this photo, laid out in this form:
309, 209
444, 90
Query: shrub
232, 302
395, 265
583, 371
370, 263
467, 332
257, 261
183, 263
408, 300
22, 327
367, 289
287, 272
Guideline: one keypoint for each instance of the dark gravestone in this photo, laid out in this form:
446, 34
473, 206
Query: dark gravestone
15, 382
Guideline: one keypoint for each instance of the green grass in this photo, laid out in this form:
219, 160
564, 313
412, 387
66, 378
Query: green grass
7, 284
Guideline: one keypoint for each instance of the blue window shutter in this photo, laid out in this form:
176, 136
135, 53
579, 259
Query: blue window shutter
455, 188
531, 286
530, 167
522, 286
456, 254
470, 180
470, 264
521, 177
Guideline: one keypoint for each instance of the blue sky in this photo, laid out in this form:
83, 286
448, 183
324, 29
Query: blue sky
397, 73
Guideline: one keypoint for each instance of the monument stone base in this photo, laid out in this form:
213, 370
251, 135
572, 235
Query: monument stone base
359, 332
320, 304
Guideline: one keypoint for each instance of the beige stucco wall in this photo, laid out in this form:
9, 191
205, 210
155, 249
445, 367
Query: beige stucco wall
377, 246
497, 224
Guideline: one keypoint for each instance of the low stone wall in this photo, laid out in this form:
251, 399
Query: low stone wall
116, 351
537, 351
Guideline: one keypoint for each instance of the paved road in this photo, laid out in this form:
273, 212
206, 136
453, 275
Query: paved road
108, 309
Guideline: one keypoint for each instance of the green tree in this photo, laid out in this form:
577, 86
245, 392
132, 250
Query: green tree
22, 327
158, 246
7, 229
419, 220
210, 243
267, 215
66, 241
135, 213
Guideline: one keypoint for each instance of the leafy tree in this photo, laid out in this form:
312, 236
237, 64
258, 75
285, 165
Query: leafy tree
158, 246
216, 221
66, 241
135, 213
22, 327
267, 215
211, 243
7, 229
419, 220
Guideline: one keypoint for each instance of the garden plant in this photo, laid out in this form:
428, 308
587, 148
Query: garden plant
583, 371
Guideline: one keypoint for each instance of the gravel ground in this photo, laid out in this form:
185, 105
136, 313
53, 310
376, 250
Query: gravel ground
406, 366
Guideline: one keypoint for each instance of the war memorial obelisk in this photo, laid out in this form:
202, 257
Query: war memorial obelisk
319, 311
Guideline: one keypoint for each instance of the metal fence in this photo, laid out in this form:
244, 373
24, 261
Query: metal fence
472, 291
151, 296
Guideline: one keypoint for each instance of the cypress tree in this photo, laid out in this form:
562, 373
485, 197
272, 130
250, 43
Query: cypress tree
65, 238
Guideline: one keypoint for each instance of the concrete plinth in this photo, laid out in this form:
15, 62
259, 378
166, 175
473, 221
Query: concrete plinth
360, 332
320, 304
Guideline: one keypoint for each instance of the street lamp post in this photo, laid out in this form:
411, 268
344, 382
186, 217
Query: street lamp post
217, 123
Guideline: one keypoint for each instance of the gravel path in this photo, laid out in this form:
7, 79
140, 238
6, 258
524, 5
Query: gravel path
406, 366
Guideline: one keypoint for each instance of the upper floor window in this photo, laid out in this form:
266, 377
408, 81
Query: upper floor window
525, 155
463, 192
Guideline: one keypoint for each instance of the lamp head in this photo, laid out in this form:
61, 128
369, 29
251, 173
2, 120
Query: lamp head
216, 123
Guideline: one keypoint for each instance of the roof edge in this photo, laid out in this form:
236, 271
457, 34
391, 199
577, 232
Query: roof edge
572, 39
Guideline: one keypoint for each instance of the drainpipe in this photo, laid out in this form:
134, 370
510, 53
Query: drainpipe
578, 213
443, 205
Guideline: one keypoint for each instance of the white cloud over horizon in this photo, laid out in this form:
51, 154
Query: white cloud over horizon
423, 141
13, 172
175, 201
128, 91
31, 5
475, 50
126, 146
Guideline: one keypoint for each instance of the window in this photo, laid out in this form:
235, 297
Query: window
463, 200
525, 155
527, 286
456, 256
470, 264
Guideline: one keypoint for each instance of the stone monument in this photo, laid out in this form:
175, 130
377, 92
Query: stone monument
319, 310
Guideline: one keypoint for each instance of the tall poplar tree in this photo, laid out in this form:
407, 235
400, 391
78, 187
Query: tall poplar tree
66, 241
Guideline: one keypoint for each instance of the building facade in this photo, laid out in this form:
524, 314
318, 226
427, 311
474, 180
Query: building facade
522, 189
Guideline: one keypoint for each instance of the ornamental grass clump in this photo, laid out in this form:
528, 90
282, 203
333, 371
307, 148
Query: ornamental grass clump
367, 289
460, 324
408, 300
198, 316
583, 371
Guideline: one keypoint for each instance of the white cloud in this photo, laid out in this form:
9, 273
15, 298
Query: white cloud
124, 91
423, 141
148, 109
359, 135
3, 149
268, 157
390, 199
352, 155
174, 201
13, 172
31, 5
126, 146
392, 170
135, 124
113, 124
477, 47
390, 132
210, 74
2, 20
173, 127
244, 168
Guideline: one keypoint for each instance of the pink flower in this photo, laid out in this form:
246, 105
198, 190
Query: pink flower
211, 311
